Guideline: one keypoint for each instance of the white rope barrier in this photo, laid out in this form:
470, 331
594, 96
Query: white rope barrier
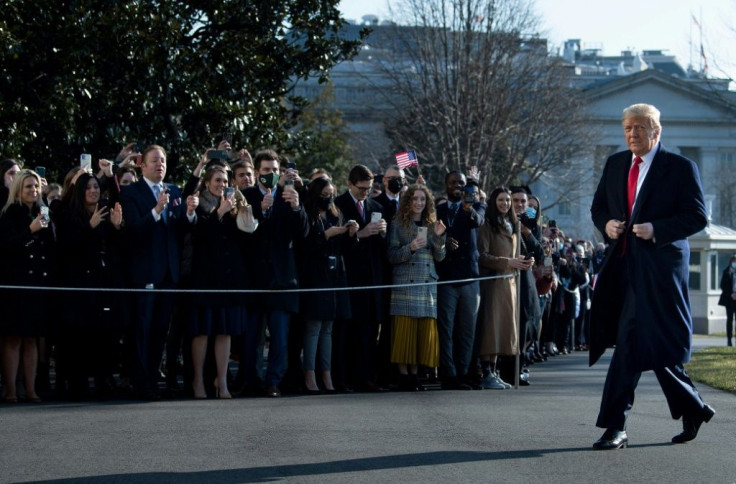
247, 291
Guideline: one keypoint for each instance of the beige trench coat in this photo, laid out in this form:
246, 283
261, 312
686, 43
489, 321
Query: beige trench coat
497, 317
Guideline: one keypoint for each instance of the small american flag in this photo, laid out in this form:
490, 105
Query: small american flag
406, 159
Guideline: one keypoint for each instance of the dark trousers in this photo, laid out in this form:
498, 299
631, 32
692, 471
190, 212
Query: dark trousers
150, 326
623, 377
729, 321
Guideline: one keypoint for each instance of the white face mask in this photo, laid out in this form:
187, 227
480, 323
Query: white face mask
733, 265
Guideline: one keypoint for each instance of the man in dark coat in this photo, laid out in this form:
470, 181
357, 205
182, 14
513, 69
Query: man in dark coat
641, 303
156, 219
458, 303
282, 224
365, 266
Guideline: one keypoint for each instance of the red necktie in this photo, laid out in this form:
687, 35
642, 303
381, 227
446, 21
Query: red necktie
360, 210
633, 179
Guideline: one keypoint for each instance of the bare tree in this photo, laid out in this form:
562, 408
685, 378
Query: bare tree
475, 87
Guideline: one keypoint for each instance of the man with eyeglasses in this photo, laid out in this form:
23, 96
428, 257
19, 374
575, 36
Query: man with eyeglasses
365, 266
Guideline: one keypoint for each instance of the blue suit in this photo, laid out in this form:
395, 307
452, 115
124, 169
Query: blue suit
641, 301
152, 257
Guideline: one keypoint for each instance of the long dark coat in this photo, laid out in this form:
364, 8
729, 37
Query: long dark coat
671, 199
273, 262
322, 265
27, 260
365, 263
90, 259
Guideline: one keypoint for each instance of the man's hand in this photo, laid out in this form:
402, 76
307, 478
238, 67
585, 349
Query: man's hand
643, 231
192, 203
291, 197
163, 200
614, 228
267, 201
452, 244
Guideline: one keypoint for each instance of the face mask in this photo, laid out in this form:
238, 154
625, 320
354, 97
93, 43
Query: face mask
733, 265
269, 180
395, 185
324, 203
560, 247
531, 212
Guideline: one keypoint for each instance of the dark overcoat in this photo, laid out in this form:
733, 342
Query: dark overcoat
26, 259
322, 265
273, 263
671, 199
365, 263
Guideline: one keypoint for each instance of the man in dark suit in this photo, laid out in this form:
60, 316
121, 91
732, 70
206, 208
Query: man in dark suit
393, 184
282, 224
155, 221
457, 304
364, 266
641, 302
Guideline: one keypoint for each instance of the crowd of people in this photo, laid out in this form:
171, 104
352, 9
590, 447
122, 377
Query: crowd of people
143, 289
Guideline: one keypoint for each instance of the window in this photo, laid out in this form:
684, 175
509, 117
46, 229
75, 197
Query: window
695, 269
564, 208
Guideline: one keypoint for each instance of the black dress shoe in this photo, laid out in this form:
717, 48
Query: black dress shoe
454, 384
612, 439
272, 391
691, 425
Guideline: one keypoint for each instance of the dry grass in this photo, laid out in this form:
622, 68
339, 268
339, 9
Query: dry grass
714, 366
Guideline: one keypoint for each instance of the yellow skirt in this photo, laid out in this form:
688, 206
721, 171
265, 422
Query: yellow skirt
415, 341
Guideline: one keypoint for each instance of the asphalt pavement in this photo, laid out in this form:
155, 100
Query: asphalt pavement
541, 433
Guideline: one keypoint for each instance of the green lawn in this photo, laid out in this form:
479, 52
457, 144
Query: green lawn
715, 366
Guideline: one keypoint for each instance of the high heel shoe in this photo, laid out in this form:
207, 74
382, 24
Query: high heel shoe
222, 396
327, 384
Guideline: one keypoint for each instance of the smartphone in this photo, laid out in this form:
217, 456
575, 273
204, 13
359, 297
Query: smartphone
351, 221
229, 192
85, 161
422, 233
376, 216
547, 261
291, 165
552, 224
138, 160
44, 210
41, 171
469, 195
217, 154
288, 183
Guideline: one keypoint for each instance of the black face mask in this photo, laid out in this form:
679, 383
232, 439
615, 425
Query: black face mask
324, 203
395, 185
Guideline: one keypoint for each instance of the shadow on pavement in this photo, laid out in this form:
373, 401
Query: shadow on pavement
272, 473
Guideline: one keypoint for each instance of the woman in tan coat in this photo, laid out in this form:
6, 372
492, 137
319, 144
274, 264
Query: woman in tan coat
497, 245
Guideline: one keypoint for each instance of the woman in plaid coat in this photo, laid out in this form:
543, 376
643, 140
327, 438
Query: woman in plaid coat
416, 241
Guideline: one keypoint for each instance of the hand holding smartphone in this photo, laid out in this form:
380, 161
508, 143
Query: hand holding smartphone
376, 217
422, 233
85, 161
